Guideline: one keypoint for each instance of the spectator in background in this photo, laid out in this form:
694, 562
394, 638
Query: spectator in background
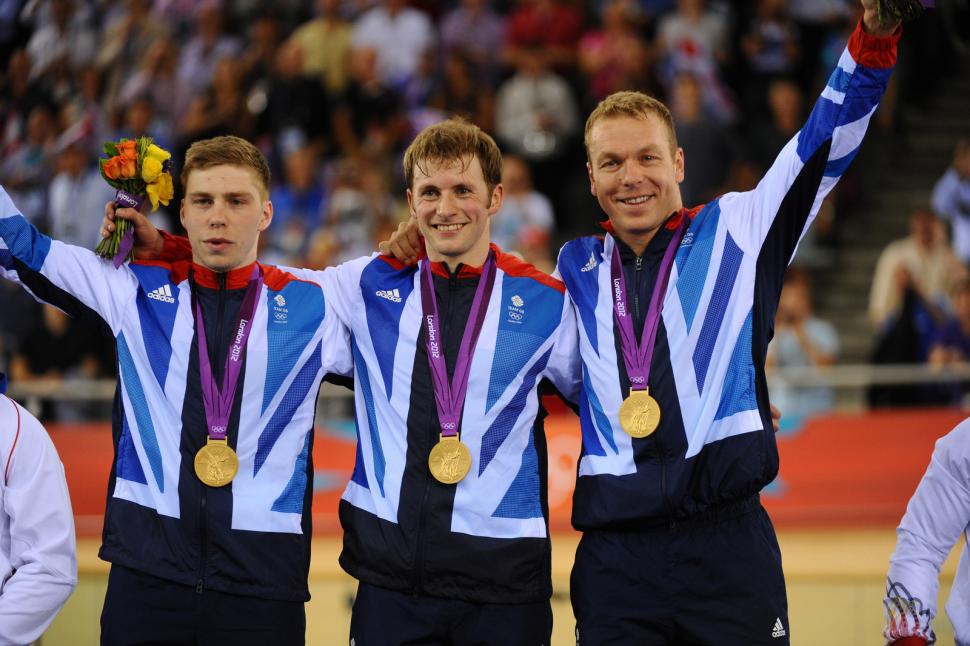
297, 109
474, 32
62, 44
77, 194
770, 47
61, 348
399, 34
694, 39
124, 42
615, 56
260, 53
816, 20
909, 299
547, 29
950, 341
209, 45
525, 213
709, 148
360, 212
27, 170
367, 122
786, 103
20, 94
139, 120
922, 261
951, 199
156, 79
325, 42
38, 555
801, 340
536, 117
298, 203
463, 96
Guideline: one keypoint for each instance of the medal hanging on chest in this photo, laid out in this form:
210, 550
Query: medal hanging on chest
216, 463
450, 459
640, 413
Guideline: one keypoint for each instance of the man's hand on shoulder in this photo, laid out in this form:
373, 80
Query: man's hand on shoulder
405, 244
148, 241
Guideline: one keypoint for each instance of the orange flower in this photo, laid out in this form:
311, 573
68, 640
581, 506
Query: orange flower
126, 148
128, 169
112, 167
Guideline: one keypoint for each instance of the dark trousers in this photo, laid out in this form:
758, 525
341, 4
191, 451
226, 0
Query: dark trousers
383, 617
715, 579
144, 610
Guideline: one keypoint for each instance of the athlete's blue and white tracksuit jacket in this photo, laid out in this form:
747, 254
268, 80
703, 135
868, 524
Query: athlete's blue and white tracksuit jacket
715, 443
251, 537
484, 539
937, 517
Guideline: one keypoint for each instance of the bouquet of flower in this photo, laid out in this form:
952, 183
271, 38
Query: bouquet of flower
138, 169
900, 10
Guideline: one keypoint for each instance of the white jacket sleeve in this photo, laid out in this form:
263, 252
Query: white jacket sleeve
935, 518
54, 272
564, 368
39, 560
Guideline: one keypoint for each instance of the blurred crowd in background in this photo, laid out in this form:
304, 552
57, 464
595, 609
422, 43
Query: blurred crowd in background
332, 91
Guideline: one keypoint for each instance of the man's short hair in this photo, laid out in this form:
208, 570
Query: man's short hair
230, 151
453, 140
636, 105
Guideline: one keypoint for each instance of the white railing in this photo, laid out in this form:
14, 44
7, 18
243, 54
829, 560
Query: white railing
849, 381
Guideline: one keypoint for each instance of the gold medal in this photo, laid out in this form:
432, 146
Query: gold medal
216, 463
450, 460
639, 414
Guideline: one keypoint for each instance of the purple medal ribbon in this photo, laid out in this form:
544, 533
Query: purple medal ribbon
450, 397
637, 356
218, 400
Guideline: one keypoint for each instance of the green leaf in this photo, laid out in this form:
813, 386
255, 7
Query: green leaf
110, 149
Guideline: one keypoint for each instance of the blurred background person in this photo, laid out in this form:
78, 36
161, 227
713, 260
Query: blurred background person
525, 211
801, 340
951, 199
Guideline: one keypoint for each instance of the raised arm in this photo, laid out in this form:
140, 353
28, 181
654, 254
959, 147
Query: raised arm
772, 218
71, 278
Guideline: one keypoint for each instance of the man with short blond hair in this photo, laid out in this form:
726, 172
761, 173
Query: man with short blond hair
208, 523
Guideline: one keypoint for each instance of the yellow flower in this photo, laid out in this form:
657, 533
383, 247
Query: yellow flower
161, 190
157, 153
150, 169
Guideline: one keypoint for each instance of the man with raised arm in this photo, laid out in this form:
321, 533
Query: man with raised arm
675, 309
445, 516
220, 358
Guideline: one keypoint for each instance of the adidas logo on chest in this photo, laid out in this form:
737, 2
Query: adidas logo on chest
392, 295
163, 293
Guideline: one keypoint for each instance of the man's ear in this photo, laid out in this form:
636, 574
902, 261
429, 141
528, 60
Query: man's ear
495, 202
182, 212
267, 216
592, 181
411, 203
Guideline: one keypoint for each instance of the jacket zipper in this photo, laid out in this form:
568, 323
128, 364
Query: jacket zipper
661, 455
203, 519
419, 552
